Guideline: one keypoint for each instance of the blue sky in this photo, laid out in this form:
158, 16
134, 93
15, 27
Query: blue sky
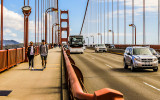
13, 19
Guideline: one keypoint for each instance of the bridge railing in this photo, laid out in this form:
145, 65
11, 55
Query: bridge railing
75, 84
11, 57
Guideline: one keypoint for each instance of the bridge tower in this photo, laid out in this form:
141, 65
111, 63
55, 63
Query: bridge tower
64, 21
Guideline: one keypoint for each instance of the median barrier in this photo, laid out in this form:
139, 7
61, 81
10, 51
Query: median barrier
76, 87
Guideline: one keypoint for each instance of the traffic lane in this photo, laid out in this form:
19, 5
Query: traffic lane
97, 75
147, 75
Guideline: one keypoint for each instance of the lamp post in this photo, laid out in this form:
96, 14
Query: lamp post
1, 24
26, 11
93, 38
134, 26
88, 40
48, 10
52, 31
98, 37
112, 36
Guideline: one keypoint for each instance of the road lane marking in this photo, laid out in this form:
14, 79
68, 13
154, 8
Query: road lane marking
151, 86
108, 65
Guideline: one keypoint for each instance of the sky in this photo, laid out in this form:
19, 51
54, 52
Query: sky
13, 19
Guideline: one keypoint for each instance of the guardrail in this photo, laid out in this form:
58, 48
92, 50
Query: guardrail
74, 80
11, 57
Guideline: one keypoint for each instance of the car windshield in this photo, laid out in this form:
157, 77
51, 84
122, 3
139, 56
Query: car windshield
153, 51
102, 45
141, 51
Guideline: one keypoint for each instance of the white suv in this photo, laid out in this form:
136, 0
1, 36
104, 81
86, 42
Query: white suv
100, 47
140, 58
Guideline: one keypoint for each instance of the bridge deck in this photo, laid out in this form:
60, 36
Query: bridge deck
39, 84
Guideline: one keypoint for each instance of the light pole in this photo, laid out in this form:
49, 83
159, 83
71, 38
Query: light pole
93, 38
98, 37
48, 10
112, 36
1, 25
26, 11
52, 31
88, 40
134, 26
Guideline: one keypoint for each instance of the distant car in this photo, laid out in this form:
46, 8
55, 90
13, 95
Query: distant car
65, 46
84, 47
140, 58
100, 48
155, 54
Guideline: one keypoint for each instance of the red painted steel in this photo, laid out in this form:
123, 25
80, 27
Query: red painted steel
77, 91
64, 28
3, 60
1, 24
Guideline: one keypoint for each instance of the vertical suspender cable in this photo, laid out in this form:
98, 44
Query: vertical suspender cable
124, 21
132, 22
104, 22
158, 20
117, 21
38, 22
144, 33
35, 22
108, 21
112, 25
49, 22
98, 21
101, 20
41, 19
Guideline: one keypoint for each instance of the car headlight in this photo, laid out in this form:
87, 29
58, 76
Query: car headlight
137, 59
155, 59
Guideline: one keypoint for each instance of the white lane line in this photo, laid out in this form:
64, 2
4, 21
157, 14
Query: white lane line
151, 86
108, 65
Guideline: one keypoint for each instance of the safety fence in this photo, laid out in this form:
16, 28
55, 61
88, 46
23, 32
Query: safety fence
76, 88
12, 57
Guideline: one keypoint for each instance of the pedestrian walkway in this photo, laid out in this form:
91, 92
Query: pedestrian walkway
24, 84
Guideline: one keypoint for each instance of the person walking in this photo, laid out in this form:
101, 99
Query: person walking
30, 54
44, 53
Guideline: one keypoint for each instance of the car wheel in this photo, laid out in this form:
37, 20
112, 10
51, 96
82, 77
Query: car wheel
95, 50
132, 67
155, 69
125, 65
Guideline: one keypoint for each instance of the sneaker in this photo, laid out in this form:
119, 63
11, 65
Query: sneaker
32, 68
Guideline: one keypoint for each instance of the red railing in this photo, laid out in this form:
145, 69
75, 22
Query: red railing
76, 91
3, 60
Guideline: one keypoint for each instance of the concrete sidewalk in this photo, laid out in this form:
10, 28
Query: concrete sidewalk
39, 84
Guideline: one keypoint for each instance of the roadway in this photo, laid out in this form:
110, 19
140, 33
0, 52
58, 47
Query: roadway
105, 70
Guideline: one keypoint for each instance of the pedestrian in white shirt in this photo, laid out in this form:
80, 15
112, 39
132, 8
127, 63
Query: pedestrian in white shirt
30, 54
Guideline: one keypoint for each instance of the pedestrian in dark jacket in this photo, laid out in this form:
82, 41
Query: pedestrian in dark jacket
30, 54
44, 53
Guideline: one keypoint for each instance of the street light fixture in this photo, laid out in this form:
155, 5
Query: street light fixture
48, 10
26, 11
134, 26
55, 24
88, 40
112, 35
93, 38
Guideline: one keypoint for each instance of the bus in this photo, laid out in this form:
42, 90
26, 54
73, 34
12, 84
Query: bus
76, 44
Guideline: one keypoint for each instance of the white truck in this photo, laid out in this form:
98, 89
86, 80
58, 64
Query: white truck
100, 48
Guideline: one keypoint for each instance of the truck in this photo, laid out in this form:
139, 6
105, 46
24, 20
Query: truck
76, 44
